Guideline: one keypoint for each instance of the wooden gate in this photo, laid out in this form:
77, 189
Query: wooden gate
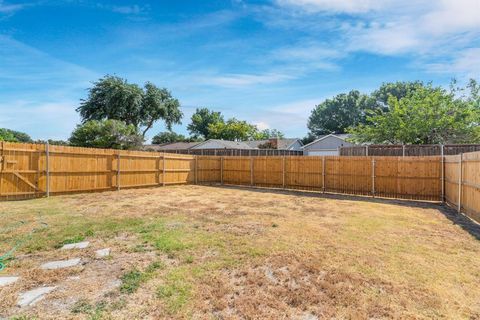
22, 171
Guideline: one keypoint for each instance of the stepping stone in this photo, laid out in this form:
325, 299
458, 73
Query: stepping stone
102, 253
78, 245
5, 281
60, 264
33, 296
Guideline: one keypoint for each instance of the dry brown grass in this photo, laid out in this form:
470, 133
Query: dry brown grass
230, 253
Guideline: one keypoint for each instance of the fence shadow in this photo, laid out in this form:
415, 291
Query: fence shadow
461, 220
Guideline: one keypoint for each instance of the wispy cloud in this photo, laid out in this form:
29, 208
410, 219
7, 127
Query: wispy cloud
241, 80
7, 8
336, 6
432, 31
466, 62
57, 118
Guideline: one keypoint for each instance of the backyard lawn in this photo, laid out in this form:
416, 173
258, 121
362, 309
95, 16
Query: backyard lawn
231, 253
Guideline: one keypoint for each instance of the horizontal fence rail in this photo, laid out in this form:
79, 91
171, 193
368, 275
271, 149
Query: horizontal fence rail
408, 150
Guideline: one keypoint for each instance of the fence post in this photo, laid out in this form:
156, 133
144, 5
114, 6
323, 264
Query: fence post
373, 177
163, 170
118, 171
366, 150
283, 172
221, 170
442, 163
196, 169
323, 174
403, 150
460, 184
47, 164
251, 171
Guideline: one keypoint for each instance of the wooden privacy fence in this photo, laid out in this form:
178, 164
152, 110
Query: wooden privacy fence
33, 170
462, 183
406, 178
408, 150
236, 152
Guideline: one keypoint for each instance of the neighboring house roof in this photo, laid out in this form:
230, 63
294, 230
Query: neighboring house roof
282, 144
172, 146
225, 144
342, 136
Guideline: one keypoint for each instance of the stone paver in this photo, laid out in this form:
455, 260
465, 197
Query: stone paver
102, 253
5, 281
60, 264
78, 245
33, 296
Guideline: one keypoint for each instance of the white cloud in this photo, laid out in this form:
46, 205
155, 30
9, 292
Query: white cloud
57, 118
336, 6
133, 9
6, 8
262, 125
466, 62
431, 32
243, 80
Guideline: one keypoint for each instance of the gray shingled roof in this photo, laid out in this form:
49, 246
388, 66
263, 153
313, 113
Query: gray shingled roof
172, 146
227, 144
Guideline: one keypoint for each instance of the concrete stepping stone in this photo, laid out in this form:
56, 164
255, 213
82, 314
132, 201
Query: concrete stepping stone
33, 296
102, 253
5, 281
78, 245
52, 265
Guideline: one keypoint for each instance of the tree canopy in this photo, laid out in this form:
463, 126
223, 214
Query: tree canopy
347, 110
14, 136
339, 113
233, 129
114, 98
399, 90
112, 134
201, 120
207, 124
170, 136
427, 115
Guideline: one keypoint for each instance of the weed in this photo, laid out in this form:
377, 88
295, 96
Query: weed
189, 259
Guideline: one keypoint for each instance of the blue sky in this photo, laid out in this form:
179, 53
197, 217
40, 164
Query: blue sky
268, 62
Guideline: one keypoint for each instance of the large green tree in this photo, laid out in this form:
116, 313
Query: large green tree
399, 90
201, 121
14, 136
339, 113
269, 134
112, 134
114, 98
168, 137
233, 129
427, 115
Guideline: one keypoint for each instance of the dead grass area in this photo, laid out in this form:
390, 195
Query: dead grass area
199, 252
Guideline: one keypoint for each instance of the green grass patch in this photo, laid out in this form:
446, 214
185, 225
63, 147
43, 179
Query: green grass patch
176, 292
94, 312
133, 279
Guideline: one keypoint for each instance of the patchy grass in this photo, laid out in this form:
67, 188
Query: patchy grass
204, 252
132, 280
